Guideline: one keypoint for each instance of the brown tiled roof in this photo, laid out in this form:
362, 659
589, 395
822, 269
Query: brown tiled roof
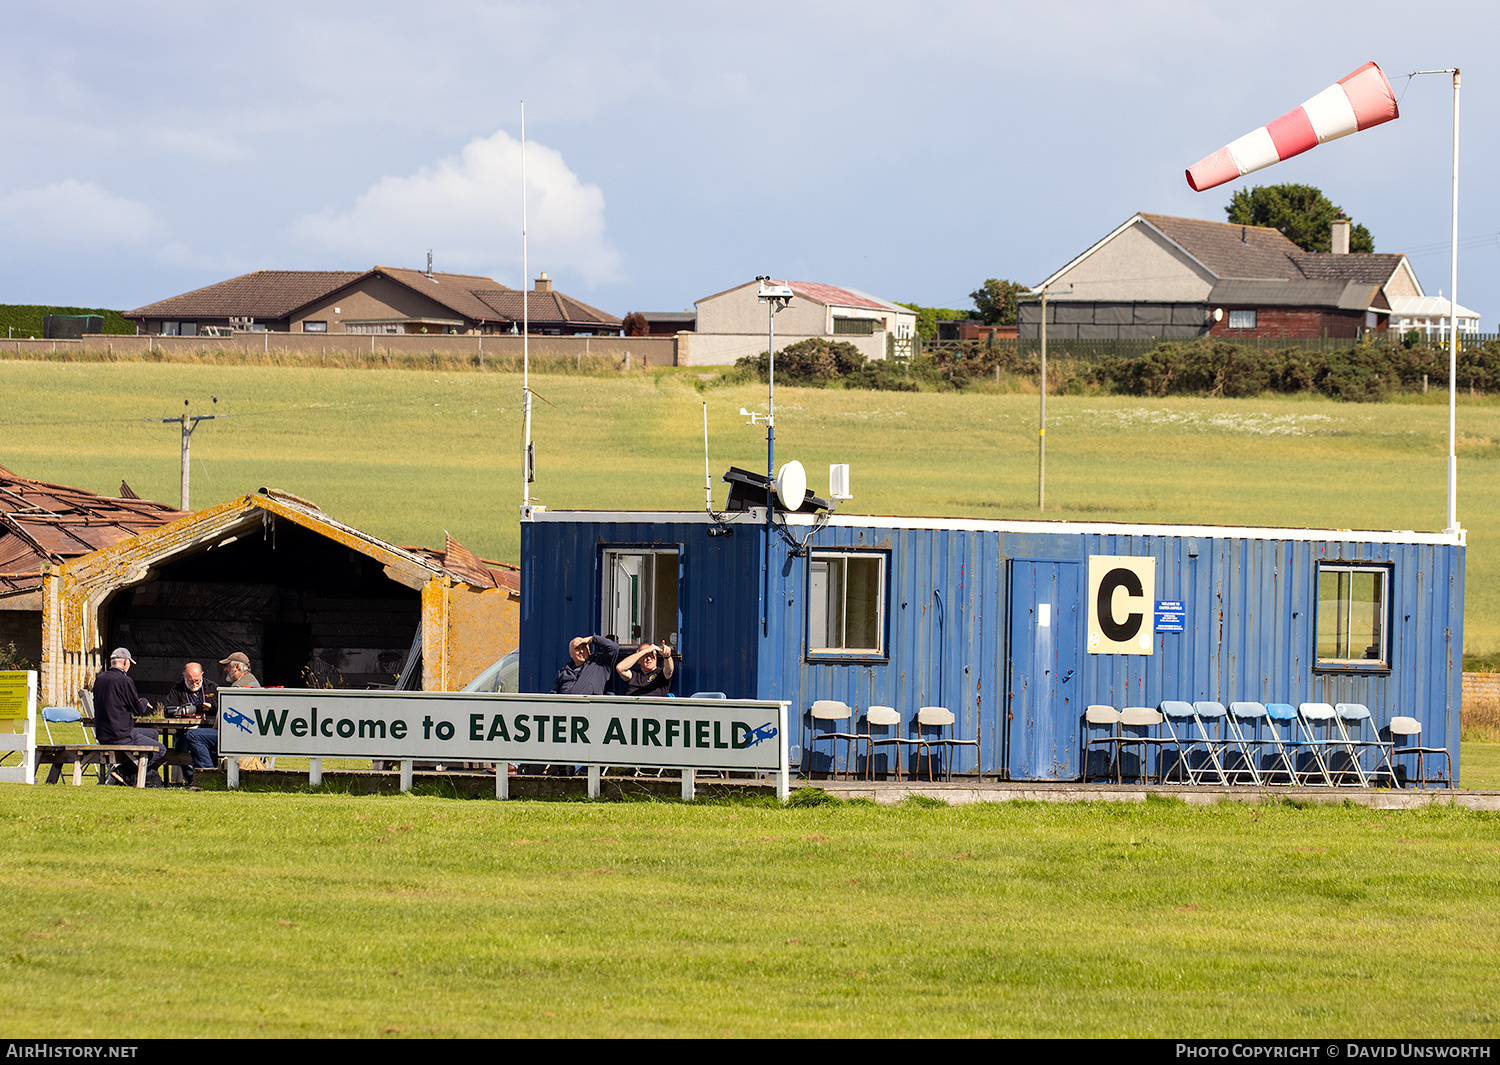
1230, 250
271, 295
454, 291
1369, 268
266, 295
546, 307
41, 522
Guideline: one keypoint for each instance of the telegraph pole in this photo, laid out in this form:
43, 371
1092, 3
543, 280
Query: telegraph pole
189, 423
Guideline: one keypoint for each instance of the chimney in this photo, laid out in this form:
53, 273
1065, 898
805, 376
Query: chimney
1341, 235
544, 283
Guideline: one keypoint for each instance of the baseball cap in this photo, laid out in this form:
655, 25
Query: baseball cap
238, 656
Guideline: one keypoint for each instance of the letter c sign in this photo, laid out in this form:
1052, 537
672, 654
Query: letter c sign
1121, 604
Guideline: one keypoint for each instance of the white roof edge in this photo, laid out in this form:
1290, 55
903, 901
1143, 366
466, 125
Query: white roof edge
756, 516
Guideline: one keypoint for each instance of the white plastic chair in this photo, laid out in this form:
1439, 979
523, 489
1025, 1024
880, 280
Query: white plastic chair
939, 717
1095, 717
825, 710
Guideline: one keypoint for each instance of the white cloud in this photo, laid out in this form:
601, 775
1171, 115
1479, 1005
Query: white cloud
72, 210
468, 210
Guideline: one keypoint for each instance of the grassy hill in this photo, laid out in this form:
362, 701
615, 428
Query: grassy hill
407, 454
25, 319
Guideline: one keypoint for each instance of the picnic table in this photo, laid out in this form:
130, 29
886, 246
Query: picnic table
107, 755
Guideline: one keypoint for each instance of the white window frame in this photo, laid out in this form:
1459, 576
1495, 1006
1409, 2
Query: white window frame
619, 578
1377, 627
823, 588
1246, 319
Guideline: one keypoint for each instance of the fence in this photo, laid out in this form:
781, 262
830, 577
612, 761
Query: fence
661, 351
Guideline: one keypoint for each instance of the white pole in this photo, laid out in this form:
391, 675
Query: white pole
1453, 335
525, 330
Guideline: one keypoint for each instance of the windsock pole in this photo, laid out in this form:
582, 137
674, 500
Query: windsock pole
1358, 101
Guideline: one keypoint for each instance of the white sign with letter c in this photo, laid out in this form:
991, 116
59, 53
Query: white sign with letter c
1122, 590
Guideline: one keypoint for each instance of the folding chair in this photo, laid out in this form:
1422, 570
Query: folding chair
1176, 713
1334, 752
1409, 726
1107, 718
1235, 769
1300, 750
61, 715
939, 717
1358, 714
830, 710
1259, 720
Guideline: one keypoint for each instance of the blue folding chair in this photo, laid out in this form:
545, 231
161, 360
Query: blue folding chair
1256, 717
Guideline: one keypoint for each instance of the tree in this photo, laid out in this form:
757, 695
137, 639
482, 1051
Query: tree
1300, 212
996, 301
635, 325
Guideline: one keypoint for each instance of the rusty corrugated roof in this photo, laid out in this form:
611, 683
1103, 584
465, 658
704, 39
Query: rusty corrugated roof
42, 522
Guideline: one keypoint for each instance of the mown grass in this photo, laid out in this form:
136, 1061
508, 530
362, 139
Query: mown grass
216, 914
407, 454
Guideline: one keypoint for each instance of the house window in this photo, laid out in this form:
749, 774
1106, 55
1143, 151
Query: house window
862, 327
846, 604
189, 329
315, 327
1241, 319
1353, 614
169, 329
640, 595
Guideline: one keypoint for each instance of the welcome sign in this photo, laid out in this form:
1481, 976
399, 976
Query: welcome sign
484, 727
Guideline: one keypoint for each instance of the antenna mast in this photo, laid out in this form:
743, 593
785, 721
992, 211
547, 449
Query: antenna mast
528, 467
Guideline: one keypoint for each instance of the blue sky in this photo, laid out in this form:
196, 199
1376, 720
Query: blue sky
677, 149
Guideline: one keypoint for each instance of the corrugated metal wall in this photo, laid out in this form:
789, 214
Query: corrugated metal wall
952, 612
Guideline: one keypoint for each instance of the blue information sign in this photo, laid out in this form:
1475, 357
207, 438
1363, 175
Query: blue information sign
1171, 614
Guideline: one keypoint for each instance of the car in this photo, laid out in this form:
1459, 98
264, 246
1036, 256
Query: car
503, 676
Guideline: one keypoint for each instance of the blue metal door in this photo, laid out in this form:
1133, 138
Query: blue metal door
1042, 716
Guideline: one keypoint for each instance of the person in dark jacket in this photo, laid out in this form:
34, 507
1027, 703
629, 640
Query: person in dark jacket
116, 702
197, 697
591, 663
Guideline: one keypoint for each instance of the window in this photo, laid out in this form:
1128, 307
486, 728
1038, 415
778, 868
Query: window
1353, 609
846, 604
170, 329
315, 327
854, 327
640, 595
1241, 319
189, 329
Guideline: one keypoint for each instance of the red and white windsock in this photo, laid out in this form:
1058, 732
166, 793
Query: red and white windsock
1359, 101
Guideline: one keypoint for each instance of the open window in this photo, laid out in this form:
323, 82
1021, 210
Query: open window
1353, 616
846, 604
640, 595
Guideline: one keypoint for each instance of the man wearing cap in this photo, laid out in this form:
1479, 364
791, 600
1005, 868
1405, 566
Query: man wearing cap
237, 671
115, 704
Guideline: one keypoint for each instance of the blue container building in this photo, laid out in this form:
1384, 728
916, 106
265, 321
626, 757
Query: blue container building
1015, 626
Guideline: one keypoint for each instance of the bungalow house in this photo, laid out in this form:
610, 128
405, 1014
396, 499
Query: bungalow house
1159, 276
383, 300
733, 323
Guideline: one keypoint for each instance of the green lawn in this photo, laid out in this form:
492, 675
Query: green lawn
135, 914
407, 454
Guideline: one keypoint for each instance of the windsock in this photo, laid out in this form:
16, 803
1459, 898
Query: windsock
1359, 101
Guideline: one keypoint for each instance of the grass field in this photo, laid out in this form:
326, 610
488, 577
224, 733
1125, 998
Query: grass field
133, 914
408, 454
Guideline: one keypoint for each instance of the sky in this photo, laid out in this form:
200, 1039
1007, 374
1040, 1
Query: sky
678, 149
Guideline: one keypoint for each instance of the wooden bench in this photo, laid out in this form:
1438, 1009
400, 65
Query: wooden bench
104, 755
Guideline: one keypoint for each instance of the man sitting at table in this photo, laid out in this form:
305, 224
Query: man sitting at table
116, 702
196, 697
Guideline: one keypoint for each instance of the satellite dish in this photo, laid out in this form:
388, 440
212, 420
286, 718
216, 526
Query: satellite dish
791, 485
